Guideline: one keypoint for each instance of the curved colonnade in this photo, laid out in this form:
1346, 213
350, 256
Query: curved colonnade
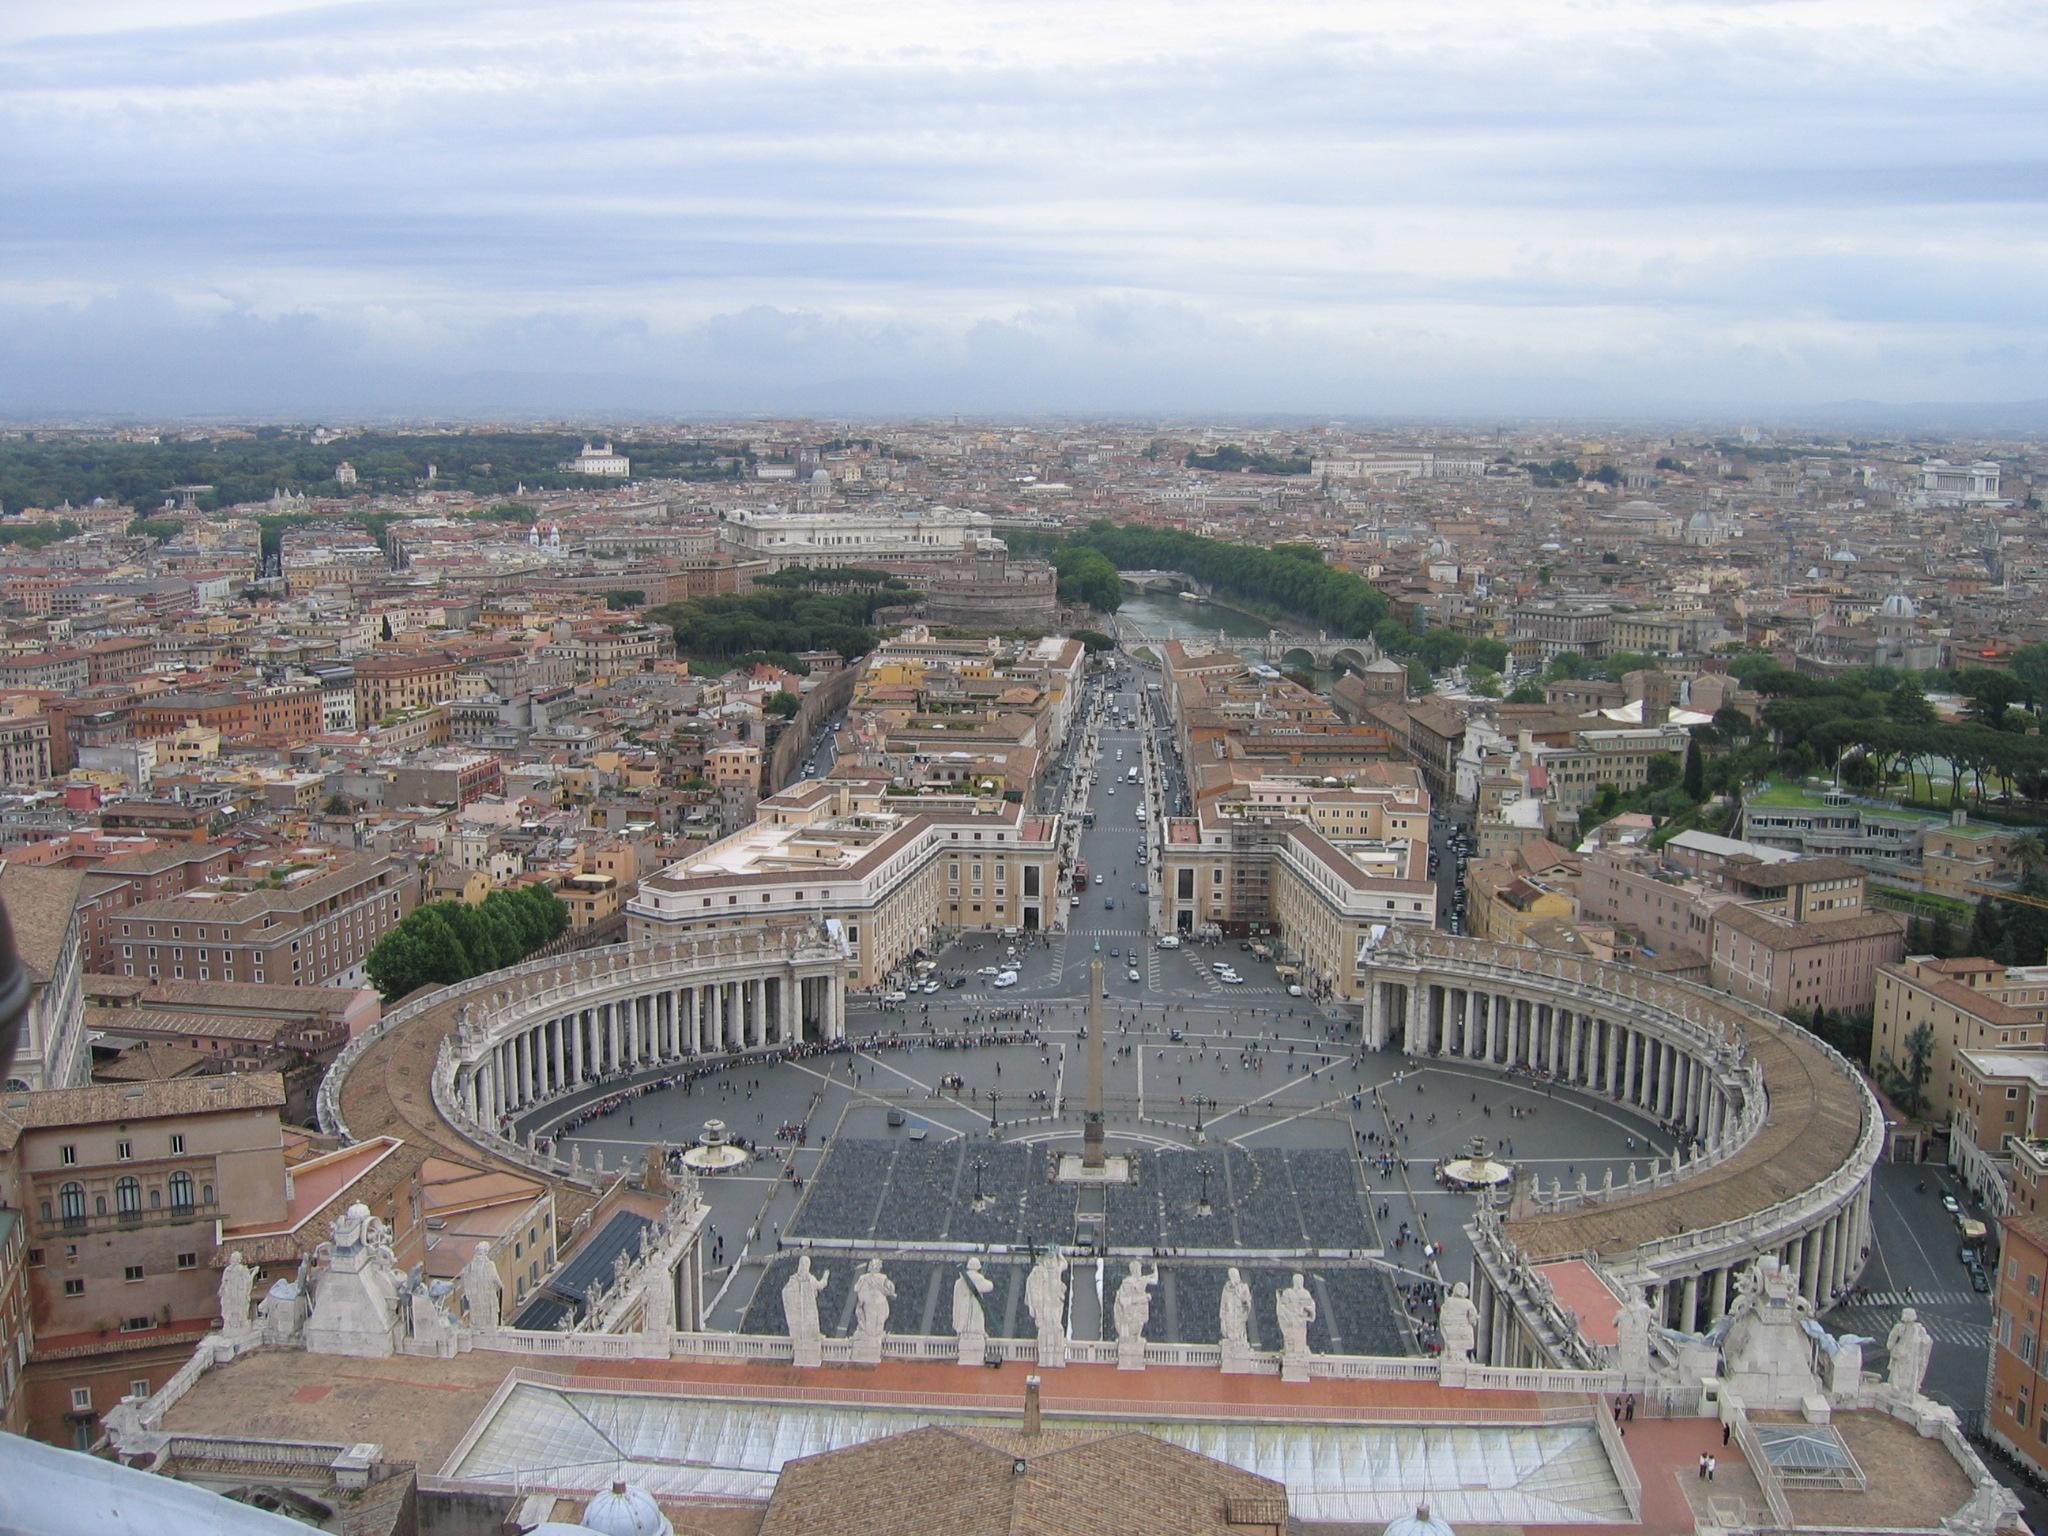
492, 1048
1782, 1131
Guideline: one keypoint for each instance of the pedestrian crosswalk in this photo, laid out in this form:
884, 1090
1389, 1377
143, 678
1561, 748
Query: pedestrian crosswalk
1876, 1322
1920, 1297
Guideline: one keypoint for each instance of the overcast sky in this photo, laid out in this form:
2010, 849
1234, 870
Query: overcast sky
1424, 206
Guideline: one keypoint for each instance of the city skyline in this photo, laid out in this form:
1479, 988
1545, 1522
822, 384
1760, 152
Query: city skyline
1631, 210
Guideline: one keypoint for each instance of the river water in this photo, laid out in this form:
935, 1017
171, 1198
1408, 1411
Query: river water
1171, 617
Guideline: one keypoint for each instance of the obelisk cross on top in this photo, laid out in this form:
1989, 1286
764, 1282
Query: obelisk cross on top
1091, 1125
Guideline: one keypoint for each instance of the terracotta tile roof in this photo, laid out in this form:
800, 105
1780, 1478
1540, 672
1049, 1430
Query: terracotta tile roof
144, 1101
40, 904
966, 1482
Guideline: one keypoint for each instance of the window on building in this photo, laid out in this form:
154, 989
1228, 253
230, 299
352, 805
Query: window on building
81, 1399
181, 1191
188, 1261
132, 1273
68, 1156
74, 1287
71, 1203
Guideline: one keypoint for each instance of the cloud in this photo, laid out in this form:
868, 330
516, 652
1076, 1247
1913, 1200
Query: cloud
1026, 205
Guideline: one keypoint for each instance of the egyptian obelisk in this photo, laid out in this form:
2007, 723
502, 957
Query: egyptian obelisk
1091, 1125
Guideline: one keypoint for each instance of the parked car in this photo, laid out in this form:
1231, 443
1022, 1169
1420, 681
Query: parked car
1169, 942
1951, 1205
1980, 1282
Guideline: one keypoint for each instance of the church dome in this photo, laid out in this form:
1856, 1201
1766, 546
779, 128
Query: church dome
1898, 606
626, 1511
1421, 1523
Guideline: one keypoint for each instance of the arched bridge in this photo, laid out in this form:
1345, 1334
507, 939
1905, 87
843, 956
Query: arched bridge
1281, 650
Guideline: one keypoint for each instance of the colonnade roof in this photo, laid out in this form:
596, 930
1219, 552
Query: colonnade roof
1814, 1119
389, 1092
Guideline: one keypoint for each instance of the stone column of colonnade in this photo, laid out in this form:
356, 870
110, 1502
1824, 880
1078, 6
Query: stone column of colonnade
1587, 1048
669, 1025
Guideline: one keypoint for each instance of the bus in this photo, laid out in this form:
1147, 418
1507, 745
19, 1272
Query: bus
1080, 875
1131, 774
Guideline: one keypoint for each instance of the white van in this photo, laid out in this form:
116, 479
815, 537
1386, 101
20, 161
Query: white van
894, 997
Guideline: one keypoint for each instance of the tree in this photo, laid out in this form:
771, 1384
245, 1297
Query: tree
1695, 773
1568, 664
1663, 771
1991, 695
1419, 677
1526, 693
1490, 654
1441, 649
388, 632
2030, 668
1093, 640
1484, 681
1907, 705
1087, 577
1919, 1067
337, 805
781, 703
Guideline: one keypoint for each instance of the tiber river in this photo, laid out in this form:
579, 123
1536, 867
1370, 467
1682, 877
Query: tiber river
1163, 614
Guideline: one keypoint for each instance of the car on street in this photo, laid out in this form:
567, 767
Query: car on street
1007, 979
1143, 889
1293, 989
1980, 1282
1131, 974
1233, 981
990, 970
1109, 903
1950, 1204
894, 997
1169, 942
1073, 901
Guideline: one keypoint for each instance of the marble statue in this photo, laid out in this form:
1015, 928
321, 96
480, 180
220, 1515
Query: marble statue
1234, 1315
1457, 1322
1909, 1346
1134, 1302
1045, 1294
873, 1291
969, 1322
481, 1290
800, 1312
429, 1325
281, 1314
236, 1281
1295, 1309
1845, 1364
356, 1307
1632, 1335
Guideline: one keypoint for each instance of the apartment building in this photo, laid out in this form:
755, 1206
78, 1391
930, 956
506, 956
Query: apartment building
2015, 1391
1783, 963
24, 750
307, 920
1573, 775
887, 873
119, 1190
1968, 1005
1534, 883
397, 682
1835, 824
1314, 863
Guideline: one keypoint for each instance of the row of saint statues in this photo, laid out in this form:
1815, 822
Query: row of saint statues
1045, 1297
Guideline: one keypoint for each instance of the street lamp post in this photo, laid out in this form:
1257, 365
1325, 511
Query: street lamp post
978, 1165
1203, 1169
994, 1096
